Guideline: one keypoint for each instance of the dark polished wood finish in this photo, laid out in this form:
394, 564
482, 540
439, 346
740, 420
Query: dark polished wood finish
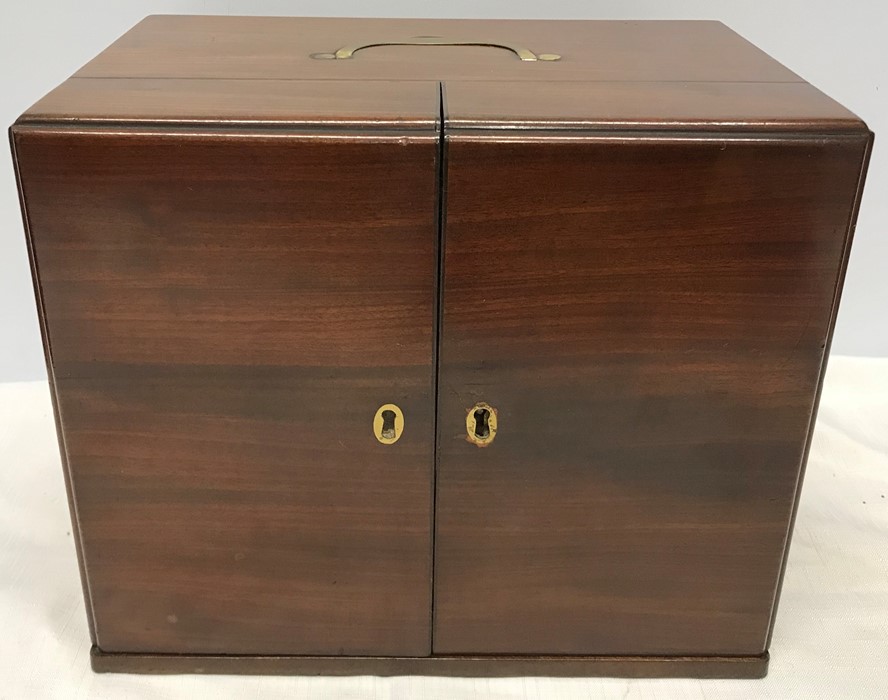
634, 254
462, 666
225, 314
313, 104
649, 317
259, 70
164, 46
638, 106
627, 105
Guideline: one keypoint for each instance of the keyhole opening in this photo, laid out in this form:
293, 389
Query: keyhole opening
388, 424
482, 423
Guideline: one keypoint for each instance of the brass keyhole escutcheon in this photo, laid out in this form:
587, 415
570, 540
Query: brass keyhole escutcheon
388, 424
481, 424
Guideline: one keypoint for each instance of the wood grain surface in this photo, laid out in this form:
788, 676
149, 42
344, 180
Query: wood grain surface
397, 104
259, 70
640, 105
446, 666
181, 46
633, 254
225, 314
648, 316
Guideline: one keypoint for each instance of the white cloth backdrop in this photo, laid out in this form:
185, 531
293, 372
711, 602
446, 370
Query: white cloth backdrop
831, 639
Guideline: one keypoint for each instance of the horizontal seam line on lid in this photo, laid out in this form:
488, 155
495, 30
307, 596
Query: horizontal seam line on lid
359, 79
391, 129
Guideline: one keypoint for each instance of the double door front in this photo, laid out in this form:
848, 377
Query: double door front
434, 391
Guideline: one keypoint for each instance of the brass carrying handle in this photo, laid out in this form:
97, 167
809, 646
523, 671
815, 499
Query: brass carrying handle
522, 53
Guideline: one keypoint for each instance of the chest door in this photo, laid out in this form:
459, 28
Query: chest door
226, 314
645, 318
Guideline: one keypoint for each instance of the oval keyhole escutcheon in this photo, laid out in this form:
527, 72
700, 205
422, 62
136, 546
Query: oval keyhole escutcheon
481, 424
388, 424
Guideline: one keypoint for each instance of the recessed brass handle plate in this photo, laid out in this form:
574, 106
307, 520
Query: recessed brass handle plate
347, 52
388, 424
481, 424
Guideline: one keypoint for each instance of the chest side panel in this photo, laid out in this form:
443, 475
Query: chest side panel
225, 315
648, 317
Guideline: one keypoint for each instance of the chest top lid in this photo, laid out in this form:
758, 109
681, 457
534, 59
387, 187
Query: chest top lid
386, 72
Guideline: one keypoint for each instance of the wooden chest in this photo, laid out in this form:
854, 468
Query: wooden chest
447, 347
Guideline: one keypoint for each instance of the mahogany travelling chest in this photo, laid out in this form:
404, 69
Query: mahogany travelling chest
435, 346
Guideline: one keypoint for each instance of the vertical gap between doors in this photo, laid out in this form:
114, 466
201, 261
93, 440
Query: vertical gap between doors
439, 309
